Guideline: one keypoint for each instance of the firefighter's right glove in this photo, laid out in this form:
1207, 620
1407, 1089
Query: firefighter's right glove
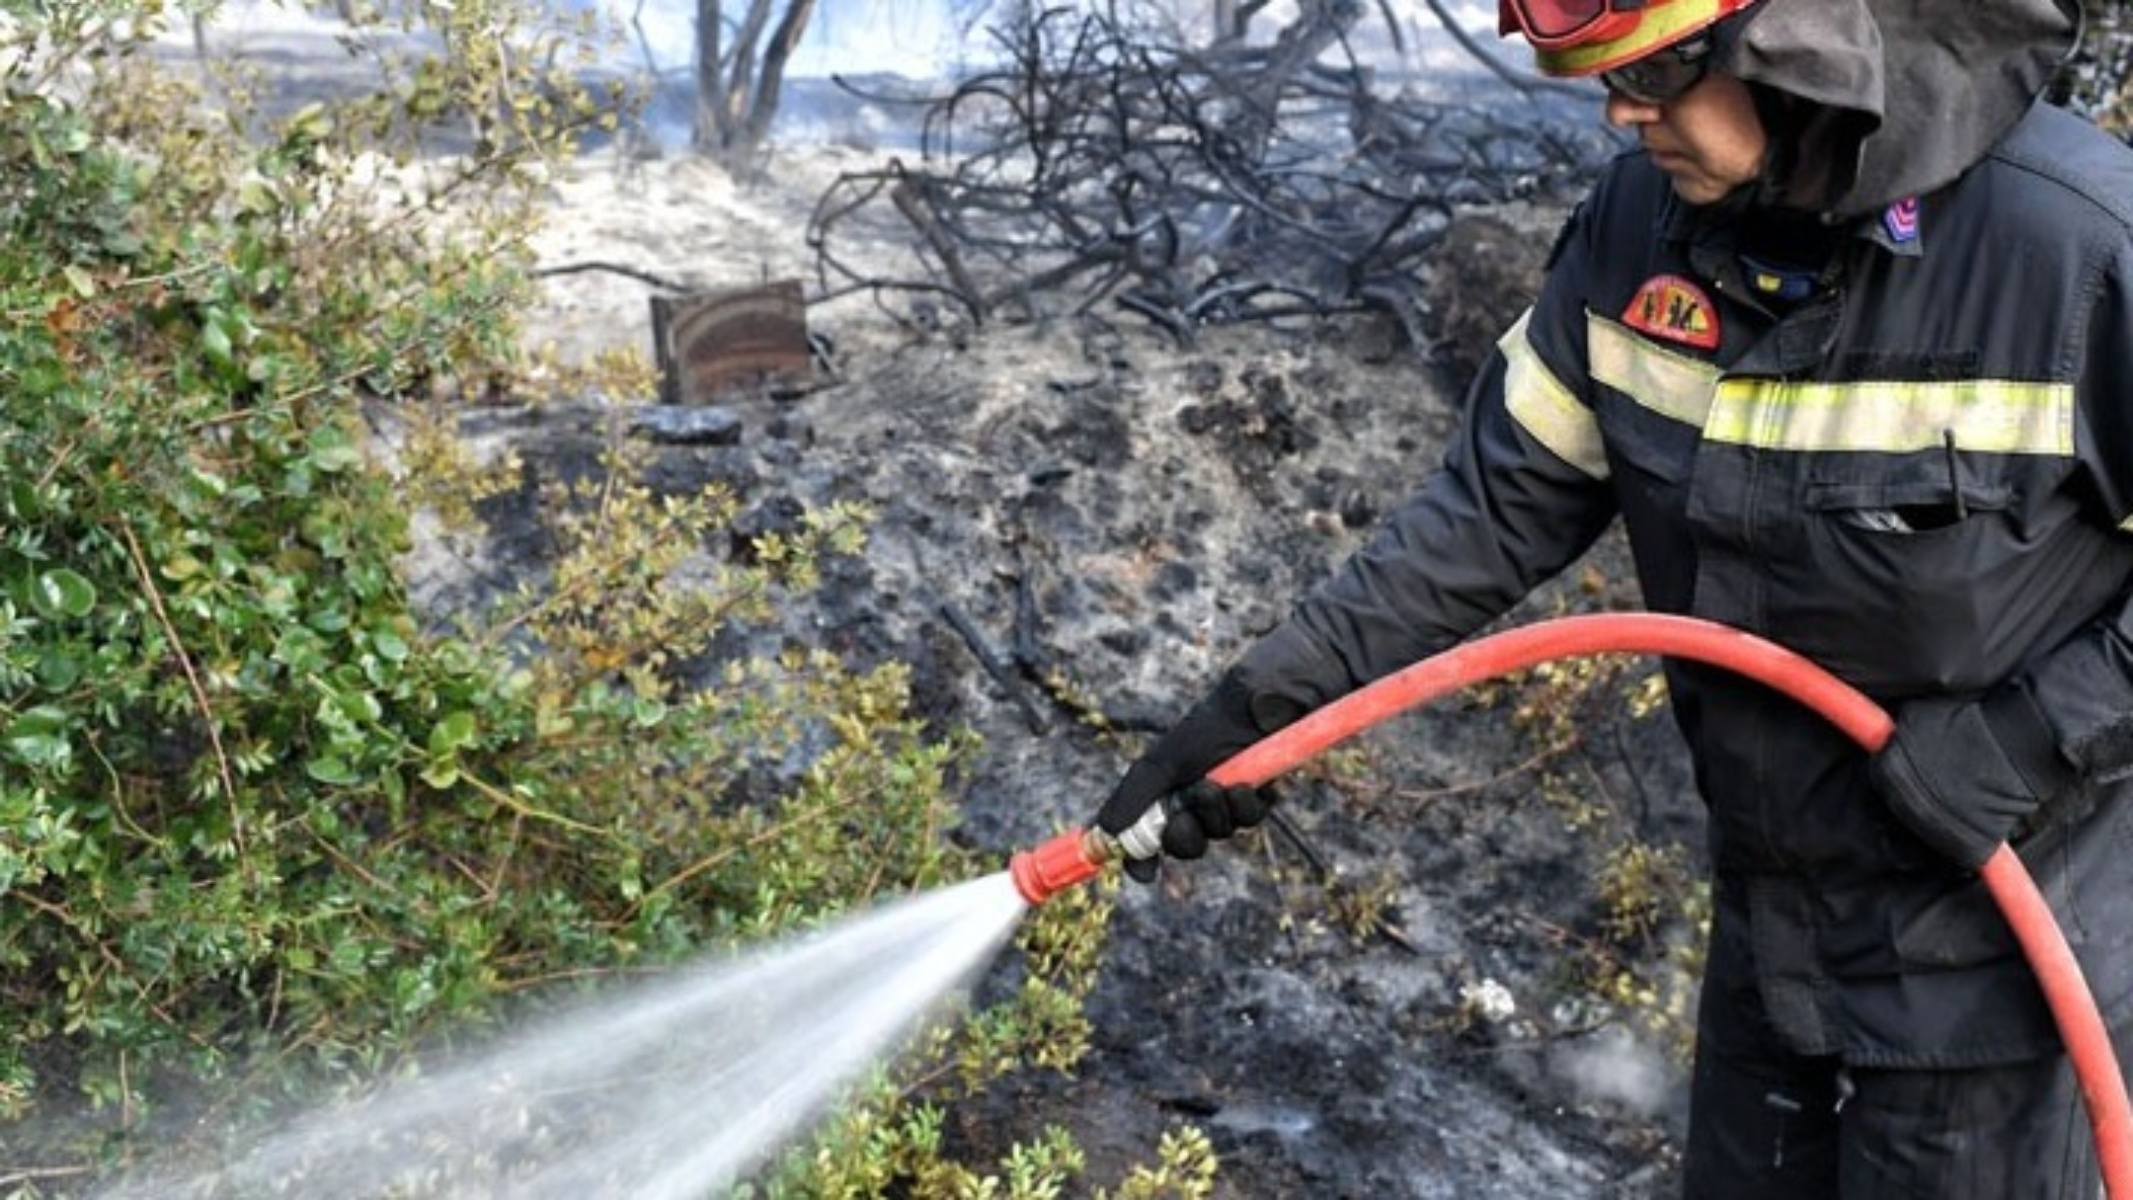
1173, 773
1966, 775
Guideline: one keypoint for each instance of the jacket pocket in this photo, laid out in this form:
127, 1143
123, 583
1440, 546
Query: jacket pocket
1965, 927
1961, 928
1913, 508
1901, 578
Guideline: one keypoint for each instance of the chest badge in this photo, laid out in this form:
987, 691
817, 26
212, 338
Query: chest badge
1670, 307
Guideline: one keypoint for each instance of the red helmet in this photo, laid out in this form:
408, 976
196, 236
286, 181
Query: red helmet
1586, 37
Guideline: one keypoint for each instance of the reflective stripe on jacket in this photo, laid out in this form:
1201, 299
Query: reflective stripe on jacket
1922, 479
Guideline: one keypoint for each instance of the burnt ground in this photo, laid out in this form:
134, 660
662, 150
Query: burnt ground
1090, 498
1106, 504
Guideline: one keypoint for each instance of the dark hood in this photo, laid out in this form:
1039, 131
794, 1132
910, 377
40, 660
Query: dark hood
1884, 99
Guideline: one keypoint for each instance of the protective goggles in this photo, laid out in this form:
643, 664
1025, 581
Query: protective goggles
1580, 38
1552, 23
1662, 76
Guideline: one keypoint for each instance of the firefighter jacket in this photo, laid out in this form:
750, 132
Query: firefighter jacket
1912, 463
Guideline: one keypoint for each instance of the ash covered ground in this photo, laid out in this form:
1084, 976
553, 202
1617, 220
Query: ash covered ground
1091, 497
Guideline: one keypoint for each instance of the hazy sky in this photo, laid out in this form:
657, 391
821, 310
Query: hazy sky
922, 38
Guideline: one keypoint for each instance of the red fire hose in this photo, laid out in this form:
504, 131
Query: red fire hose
1077, 855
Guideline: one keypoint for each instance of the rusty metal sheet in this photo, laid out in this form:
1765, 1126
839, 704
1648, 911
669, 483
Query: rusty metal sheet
712, 343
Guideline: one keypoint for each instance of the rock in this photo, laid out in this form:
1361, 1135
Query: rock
687, 425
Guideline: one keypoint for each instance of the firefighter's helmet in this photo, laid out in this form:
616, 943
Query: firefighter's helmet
1573, 38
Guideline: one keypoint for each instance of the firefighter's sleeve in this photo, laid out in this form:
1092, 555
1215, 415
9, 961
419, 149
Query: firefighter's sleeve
2069, 712
1522, 491
2080, 697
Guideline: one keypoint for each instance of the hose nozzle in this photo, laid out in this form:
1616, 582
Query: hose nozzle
1078, 855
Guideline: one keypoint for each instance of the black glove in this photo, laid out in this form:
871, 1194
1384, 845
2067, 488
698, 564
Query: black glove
1965, 775
1172, 772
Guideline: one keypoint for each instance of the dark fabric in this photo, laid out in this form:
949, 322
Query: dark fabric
2017, 577
1232, 716
1908, 93
1770, 1124
1963, 782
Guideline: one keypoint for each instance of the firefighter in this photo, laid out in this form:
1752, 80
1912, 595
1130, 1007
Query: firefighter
1846, 344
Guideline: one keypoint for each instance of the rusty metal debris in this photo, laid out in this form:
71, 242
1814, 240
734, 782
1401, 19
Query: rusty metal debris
708, 343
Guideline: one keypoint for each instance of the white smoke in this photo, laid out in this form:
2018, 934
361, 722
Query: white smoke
1615, 1067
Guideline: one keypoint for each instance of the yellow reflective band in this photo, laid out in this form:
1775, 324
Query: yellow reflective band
1994, 416
1672, 385
1546, 409
1889, 416
1662, 25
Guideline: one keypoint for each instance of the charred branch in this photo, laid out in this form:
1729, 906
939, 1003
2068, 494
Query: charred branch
995, 667
1105, 165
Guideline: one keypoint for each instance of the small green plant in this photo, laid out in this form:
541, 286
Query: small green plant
1185, 1170
1362, 909
1654, 916
889, 1142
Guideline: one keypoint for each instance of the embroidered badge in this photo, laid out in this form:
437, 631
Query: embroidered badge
1778, 281
1670, 307
1901, 220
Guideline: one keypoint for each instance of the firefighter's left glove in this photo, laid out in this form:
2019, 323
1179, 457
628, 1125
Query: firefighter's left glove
1966, 775
1173, 773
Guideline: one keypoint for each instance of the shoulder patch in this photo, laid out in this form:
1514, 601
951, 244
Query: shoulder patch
1676, 309
1900, 220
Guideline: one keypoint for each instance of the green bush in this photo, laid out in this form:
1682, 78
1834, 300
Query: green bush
215, 708
261, 828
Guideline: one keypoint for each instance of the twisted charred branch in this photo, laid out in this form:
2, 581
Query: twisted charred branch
913, 197
1248, 302
1162, 314
994, 666
835, 278
1102, 166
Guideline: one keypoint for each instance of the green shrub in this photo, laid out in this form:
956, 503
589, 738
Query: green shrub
260, 826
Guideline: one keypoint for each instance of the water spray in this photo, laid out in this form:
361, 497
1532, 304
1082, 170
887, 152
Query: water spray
1078, 855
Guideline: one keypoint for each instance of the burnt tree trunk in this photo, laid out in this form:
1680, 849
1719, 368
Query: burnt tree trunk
739, 80
1233, 19
763, 108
